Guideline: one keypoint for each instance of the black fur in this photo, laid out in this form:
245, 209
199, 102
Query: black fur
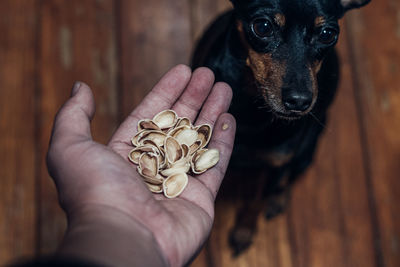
268, 133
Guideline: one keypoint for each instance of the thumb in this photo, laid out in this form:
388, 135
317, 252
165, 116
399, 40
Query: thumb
72, 122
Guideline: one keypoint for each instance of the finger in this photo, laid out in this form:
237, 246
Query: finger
217, 103
190, 102
161, 97
222, 139
72, 123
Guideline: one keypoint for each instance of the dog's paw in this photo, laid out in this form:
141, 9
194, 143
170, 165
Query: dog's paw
240, 239
275, 206
273, 210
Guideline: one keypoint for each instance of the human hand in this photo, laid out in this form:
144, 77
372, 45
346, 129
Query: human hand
110, 210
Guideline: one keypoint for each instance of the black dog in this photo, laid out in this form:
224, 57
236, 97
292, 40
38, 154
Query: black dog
278, 57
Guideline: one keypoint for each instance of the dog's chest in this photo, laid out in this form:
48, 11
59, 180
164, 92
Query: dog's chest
261, 144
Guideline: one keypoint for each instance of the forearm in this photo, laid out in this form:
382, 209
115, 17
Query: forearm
110, 238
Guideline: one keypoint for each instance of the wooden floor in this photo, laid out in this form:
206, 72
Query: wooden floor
344, 212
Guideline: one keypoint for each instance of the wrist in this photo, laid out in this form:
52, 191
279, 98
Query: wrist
106, 236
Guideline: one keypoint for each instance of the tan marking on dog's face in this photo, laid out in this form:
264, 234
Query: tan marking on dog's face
317, 66
239, 26
314, 69
267, 72
319, 21
280, 19
269, 75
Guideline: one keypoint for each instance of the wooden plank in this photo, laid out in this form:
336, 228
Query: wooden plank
374, 35
17, 128
77, 42
155, 36
329, 213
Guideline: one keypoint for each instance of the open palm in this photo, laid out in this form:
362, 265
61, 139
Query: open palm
90, 175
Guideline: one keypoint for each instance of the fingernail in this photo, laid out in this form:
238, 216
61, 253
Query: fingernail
75, 89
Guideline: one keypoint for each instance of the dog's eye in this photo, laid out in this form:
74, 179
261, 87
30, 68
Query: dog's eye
262, 28
328, 36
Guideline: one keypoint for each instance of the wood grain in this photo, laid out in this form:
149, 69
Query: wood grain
17, 129
155, 36
203, 13
77, 42
374, 37
343, 212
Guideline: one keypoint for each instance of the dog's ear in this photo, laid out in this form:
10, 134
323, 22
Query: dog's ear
350, 4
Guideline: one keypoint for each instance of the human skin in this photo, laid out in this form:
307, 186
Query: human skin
113, 219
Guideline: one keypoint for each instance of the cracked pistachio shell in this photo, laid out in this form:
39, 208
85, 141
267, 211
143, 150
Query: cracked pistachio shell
183, 121
175, 131
147, 125
156, 180
184, 168
204, 159
137, 136
135, 153
165, 119
157, 137
204, 132
158, 150
187, 137
181, 162
148, 165
194, 147
151, 143
185, 150
173, 150
174, 185
154, 188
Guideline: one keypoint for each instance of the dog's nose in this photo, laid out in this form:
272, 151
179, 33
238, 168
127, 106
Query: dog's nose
297, 102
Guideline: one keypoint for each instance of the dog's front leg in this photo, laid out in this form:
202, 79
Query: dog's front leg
241, 236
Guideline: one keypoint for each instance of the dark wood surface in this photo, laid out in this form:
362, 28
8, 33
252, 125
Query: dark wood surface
343, 212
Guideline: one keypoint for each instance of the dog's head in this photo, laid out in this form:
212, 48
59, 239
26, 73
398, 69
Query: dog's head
286, 42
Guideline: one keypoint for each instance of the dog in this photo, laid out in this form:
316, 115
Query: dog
278, 56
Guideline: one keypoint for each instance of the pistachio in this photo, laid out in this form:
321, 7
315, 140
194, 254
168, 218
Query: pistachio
176, 130
173, 150
156, 180
155, 188
176, 169
165, 119
136, 137
174, 185
158, 150
157, 137
204, 133
185, 150
194, 147
187, 137
169, 146
135, 153
148, 164
204, 159
183, 121
147, 125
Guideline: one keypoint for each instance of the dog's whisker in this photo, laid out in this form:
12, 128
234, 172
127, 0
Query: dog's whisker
317, 120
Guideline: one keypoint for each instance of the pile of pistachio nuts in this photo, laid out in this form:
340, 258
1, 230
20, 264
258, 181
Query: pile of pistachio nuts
167, 148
